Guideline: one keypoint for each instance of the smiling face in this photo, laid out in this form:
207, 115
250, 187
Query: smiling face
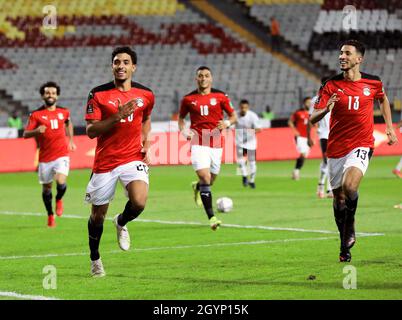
204, 79
50, 96
244, 107
123, 67
349, 58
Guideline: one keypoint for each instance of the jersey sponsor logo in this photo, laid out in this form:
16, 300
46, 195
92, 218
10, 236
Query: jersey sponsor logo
139, 102
366, 91
194, 103
90, 108
44, 117
60, 116
112, 102
213, 102
341, 91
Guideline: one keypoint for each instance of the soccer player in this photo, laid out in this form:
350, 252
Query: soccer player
298, 123
49, 125
398, 168
205, 106
246, 143
350, 97
322, 131
118, 114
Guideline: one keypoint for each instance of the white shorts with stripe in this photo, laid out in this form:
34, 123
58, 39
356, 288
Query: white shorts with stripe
47, 170
102, 186
358, 158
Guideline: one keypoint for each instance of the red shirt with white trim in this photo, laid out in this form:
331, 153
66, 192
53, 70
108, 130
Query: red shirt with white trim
205, 113
352, 118
300, 120
53, 142
123, 143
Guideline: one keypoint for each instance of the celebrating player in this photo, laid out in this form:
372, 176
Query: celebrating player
298, 123
48, 125
350, 97
246, 143
206, 106
118, 114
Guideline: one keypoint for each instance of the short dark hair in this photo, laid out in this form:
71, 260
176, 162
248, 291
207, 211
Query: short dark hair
357, 44
127, 50
204, 68
305, 99
49, 84
244, 101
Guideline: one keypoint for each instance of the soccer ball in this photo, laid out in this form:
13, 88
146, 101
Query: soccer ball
224, 204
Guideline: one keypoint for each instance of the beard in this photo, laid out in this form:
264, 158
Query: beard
50, 102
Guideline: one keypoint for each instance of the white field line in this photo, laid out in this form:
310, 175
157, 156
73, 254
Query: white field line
367, 234
257, 242
24, 296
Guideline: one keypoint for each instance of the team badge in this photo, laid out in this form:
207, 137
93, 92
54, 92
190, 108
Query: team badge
213, 102
60, 116
139, 102
366, 91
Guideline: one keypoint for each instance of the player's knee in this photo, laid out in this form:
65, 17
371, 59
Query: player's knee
349, 188
47, 188
134, 208
97, 219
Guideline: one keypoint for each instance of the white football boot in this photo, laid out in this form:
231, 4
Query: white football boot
123, 237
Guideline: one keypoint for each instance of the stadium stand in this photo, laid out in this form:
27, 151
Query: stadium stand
171, 39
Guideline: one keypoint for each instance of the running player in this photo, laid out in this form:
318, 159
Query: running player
118, 114
350, 97
205, 106
48, 125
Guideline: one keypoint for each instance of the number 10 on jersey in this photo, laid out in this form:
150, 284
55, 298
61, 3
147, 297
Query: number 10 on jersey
204, 110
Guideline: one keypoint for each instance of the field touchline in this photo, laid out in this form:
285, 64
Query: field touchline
24, 296
36, 214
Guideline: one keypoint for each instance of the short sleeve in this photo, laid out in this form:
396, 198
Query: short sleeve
256, 122
32, 122
67, 116
227, 104
380, 92
93, 111
147, 112
323, 97
183, 108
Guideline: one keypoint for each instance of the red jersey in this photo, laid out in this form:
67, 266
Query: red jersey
123, 143
52, 142
352, 119
300, 120
205, 113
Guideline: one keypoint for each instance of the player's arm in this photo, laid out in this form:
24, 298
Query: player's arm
95, 128
310, 126
386, 113
70, 135
32, 129
292, 126
318, 114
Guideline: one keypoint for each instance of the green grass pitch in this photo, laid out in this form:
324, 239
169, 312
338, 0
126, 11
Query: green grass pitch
175, 255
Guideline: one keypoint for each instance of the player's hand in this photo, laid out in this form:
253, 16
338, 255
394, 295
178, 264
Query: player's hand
41, 129
223, 124
187, 133
72, 146
126, 109
331, 102
310, 142
392, 138
146, 156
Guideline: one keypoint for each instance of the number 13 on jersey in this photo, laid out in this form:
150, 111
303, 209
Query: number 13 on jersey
355, 103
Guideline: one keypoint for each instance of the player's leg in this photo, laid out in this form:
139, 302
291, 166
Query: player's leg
302, 148
323, 169
46, 174
242, 164
398, 168
215, 158
200, 159
99, 193
335, 168
354, 169
251, 156
62, 170
134, 177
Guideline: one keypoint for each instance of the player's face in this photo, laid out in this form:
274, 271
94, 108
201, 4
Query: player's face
349, 58
243, 108
307, 104
204, 79
50, 96
123, 67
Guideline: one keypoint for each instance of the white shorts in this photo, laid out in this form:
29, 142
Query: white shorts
203, 157
47, 170
102, 186
302, 145
358, 158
